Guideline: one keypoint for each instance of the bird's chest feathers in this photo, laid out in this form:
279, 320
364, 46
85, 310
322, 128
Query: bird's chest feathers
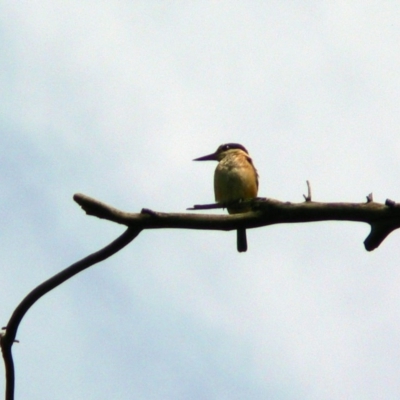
234, 179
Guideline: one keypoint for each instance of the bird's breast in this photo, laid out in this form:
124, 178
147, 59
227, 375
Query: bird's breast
235, 179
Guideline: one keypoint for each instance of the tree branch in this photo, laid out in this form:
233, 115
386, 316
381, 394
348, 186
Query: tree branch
383, 218
7, 337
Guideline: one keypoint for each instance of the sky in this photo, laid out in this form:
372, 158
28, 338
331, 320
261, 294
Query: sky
114, 99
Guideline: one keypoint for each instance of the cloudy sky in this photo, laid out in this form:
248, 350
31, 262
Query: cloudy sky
114, 99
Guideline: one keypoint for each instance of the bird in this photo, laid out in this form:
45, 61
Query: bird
235, 179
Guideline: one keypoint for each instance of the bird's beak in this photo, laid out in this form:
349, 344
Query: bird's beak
209, 157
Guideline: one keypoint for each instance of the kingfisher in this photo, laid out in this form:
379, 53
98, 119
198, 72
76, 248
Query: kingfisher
235, 179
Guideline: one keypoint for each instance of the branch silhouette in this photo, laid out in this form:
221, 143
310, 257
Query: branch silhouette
7, 337
383, 219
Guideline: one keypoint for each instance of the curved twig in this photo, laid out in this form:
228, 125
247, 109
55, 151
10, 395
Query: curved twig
8, 337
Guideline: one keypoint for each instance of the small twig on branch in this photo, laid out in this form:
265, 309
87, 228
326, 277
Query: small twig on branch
206, 206
238, 204
149, 212
390, 203
308, 197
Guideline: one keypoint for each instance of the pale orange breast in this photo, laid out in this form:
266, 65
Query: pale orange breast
235, 179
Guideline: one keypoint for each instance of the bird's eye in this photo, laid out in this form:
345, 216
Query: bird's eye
227, 147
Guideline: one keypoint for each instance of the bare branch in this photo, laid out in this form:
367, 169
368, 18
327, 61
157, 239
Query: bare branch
383, 218
7, 337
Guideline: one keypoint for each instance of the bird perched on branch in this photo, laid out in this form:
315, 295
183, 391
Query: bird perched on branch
235, 179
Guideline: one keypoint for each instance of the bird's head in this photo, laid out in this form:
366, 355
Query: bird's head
223, 151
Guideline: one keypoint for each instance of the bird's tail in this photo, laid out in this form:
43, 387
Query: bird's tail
241, 240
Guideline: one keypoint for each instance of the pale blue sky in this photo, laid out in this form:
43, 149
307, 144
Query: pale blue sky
114, 99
